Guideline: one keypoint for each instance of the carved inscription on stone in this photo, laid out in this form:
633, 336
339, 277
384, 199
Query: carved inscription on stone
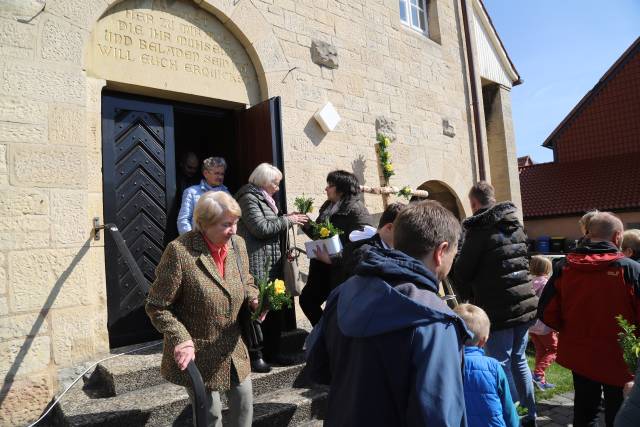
172, 45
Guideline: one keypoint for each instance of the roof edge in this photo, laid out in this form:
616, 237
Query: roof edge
505, 59
605, 77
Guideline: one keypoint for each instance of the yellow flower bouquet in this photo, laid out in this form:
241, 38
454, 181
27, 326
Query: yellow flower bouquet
273, 296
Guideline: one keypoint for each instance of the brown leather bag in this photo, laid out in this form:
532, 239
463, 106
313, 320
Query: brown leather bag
291, 270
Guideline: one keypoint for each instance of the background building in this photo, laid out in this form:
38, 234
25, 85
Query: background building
98, 98
596, 151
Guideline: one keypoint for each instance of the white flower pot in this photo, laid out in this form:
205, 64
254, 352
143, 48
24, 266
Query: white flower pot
332, 244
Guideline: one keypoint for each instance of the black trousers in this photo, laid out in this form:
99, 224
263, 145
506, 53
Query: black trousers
588, 396
316, 290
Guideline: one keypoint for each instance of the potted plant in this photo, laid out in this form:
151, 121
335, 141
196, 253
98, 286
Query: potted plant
323, 234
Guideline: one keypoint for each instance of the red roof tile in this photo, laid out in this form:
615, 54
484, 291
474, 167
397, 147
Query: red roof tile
608, 183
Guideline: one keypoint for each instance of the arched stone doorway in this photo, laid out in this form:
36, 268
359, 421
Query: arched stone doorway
441, 192
170, 77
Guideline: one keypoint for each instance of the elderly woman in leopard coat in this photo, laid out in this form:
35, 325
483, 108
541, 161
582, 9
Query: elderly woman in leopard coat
262, 226
202, 282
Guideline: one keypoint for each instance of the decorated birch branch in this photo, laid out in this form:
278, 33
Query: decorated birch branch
404, 191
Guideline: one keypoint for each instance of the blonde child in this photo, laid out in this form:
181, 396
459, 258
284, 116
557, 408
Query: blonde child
631, 244
545, 339
486, 388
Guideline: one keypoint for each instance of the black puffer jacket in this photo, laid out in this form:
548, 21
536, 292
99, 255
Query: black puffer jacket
492, 269
351, 215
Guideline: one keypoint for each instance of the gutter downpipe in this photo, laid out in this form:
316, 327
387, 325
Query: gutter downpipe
474, 91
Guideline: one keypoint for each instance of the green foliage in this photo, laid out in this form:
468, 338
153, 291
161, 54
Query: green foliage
629, 342
405, 192
323, 230
385, 157
303, 204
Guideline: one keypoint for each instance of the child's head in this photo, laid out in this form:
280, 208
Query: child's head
585, 220
477, 322
631, 243
540, 266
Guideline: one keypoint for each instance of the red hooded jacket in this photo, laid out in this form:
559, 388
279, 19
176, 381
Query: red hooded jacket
586, 292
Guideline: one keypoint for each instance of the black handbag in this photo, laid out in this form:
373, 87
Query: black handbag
251, 331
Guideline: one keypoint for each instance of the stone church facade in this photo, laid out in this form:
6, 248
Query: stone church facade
186, 69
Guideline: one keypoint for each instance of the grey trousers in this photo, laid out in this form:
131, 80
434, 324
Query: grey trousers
240, 397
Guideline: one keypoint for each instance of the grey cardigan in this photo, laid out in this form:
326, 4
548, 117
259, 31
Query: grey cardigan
261, 229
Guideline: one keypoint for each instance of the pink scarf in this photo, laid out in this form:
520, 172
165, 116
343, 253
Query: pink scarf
270, 201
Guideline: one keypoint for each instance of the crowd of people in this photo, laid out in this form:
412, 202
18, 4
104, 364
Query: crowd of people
389, 345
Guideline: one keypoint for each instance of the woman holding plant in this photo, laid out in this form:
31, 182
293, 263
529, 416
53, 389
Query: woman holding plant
262, 226
202, 283
344, 211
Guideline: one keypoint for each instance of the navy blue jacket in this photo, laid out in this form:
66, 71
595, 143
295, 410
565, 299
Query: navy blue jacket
390, 348
486, 392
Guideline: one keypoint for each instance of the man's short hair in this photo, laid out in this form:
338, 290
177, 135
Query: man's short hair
631, 240
476, 320
390, 214
421, 227
603, 225
213, 162
484, 193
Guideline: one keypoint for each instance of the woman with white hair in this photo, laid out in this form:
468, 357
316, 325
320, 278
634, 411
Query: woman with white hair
202, 282
262, 226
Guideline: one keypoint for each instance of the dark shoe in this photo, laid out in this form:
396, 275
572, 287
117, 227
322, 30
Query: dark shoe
260, 366
282, 360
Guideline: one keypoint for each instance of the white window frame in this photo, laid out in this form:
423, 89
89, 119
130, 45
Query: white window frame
422, 8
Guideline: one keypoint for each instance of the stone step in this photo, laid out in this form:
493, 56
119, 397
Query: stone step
168, 405
142, 369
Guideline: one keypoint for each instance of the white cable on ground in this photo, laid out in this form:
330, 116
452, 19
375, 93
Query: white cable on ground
55, 402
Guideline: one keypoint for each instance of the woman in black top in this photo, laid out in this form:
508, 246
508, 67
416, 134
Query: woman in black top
344, 210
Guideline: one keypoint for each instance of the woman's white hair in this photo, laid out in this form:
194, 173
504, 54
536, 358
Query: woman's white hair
210, 208
264, 174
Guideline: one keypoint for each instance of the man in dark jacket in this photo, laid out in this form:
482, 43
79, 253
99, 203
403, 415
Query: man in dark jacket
492, 272
587, 291
387, 344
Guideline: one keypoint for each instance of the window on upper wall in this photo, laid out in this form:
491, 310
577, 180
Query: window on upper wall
413, 13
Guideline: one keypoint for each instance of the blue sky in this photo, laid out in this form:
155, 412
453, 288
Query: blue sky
561, 48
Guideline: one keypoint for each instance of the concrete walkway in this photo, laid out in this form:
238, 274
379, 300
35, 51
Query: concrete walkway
557, 411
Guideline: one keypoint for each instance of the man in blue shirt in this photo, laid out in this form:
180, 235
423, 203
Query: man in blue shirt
388, 346
213, 170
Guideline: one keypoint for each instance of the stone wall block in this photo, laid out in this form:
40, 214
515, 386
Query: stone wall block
69, 219
21, 326
67, 125
82, 13
21, 110
222, 9
36, 358
73, 335
48, 166
42, 82
3, 158
17, 40
25, 399
45, 278
271, 56
249, 23
61, 42
19, 202
3, 280
20, 132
